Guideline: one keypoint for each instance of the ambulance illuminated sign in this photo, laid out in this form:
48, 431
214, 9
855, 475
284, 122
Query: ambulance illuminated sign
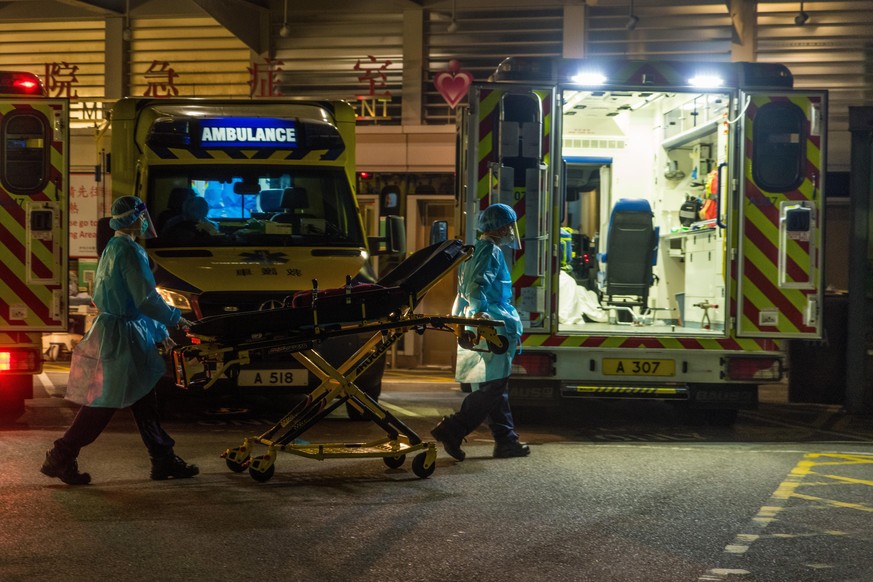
238, 132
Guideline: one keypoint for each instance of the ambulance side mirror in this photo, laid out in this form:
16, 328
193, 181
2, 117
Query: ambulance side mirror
439, 231
392, 237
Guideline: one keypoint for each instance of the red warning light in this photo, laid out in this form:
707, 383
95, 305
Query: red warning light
364, 175
26, 84
19, 83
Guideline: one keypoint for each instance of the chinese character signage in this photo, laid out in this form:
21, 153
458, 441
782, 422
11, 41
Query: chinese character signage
59, 79
160, 77
84, 196
374, 105
264, 78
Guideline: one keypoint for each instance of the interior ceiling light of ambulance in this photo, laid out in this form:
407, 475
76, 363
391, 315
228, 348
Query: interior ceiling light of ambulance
606, 103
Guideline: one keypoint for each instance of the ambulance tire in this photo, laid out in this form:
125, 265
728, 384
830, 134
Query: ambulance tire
14, 391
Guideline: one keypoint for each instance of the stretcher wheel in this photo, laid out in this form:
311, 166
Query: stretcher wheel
394, 462
262, 476
237, 467
418, 466
467, 340
499, 347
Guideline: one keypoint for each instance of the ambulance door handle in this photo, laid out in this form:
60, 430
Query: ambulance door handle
718, 221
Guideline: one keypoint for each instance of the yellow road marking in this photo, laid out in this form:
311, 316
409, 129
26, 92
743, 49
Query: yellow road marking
787, 490
397, 409
835, 503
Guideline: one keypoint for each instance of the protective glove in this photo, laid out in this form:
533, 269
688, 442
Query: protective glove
184, 324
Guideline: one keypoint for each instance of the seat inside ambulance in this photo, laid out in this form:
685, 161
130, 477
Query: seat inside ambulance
631, 253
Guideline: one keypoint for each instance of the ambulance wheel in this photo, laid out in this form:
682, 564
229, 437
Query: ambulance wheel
418, 466
394, 462
237, 467
262, 476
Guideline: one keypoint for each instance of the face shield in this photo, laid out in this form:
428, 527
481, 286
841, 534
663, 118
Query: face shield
512, 239
131, 215
146, 225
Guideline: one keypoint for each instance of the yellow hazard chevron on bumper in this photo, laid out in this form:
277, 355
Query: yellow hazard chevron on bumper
666, 392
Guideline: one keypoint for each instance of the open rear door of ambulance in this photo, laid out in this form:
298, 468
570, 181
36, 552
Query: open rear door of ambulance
781, 214
510, 161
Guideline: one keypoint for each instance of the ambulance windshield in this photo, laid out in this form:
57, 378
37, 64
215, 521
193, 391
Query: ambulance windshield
201, 206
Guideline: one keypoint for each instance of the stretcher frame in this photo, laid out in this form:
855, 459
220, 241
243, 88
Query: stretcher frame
208, 355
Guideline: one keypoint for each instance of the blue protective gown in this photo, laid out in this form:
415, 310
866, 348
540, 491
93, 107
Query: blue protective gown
484, 285
117, 362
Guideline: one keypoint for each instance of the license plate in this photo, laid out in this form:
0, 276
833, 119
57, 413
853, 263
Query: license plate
629, 367
273, 378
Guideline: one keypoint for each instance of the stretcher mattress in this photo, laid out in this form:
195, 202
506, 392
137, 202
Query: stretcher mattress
399, 290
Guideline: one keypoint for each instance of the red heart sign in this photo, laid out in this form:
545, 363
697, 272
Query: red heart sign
453, 86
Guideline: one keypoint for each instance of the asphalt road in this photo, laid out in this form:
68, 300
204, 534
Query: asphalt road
612, 491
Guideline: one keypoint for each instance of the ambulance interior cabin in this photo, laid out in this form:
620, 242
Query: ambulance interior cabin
642, 238
256, 206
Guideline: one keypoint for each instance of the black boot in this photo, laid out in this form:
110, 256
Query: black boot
511, 449
65, 470
449, 438
172, 467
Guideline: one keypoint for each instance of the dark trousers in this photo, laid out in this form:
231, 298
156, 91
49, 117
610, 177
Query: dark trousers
490, 401
90, 422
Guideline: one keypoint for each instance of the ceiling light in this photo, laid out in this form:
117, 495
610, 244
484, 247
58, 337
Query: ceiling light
126, 34
589, 78
706, 81
632, 19
285, 31
801, 17
453, 25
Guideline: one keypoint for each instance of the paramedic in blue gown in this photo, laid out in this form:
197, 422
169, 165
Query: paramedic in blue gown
117, 364
485, 291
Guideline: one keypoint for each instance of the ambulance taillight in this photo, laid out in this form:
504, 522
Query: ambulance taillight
20, 83
19, 360
752, 368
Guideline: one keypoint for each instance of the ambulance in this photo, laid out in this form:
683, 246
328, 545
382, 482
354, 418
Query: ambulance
671, 216
34, 217
252, 201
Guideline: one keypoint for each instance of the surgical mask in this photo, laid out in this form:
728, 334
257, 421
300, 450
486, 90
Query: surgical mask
506, 240
143, 226
510, 239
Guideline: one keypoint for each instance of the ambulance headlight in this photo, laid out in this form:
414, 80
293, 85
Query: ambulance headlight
704, 81
175, 299
589, 78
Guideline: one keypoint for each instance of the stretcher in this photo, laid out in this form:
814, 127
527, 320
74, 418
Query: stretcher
385, 311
